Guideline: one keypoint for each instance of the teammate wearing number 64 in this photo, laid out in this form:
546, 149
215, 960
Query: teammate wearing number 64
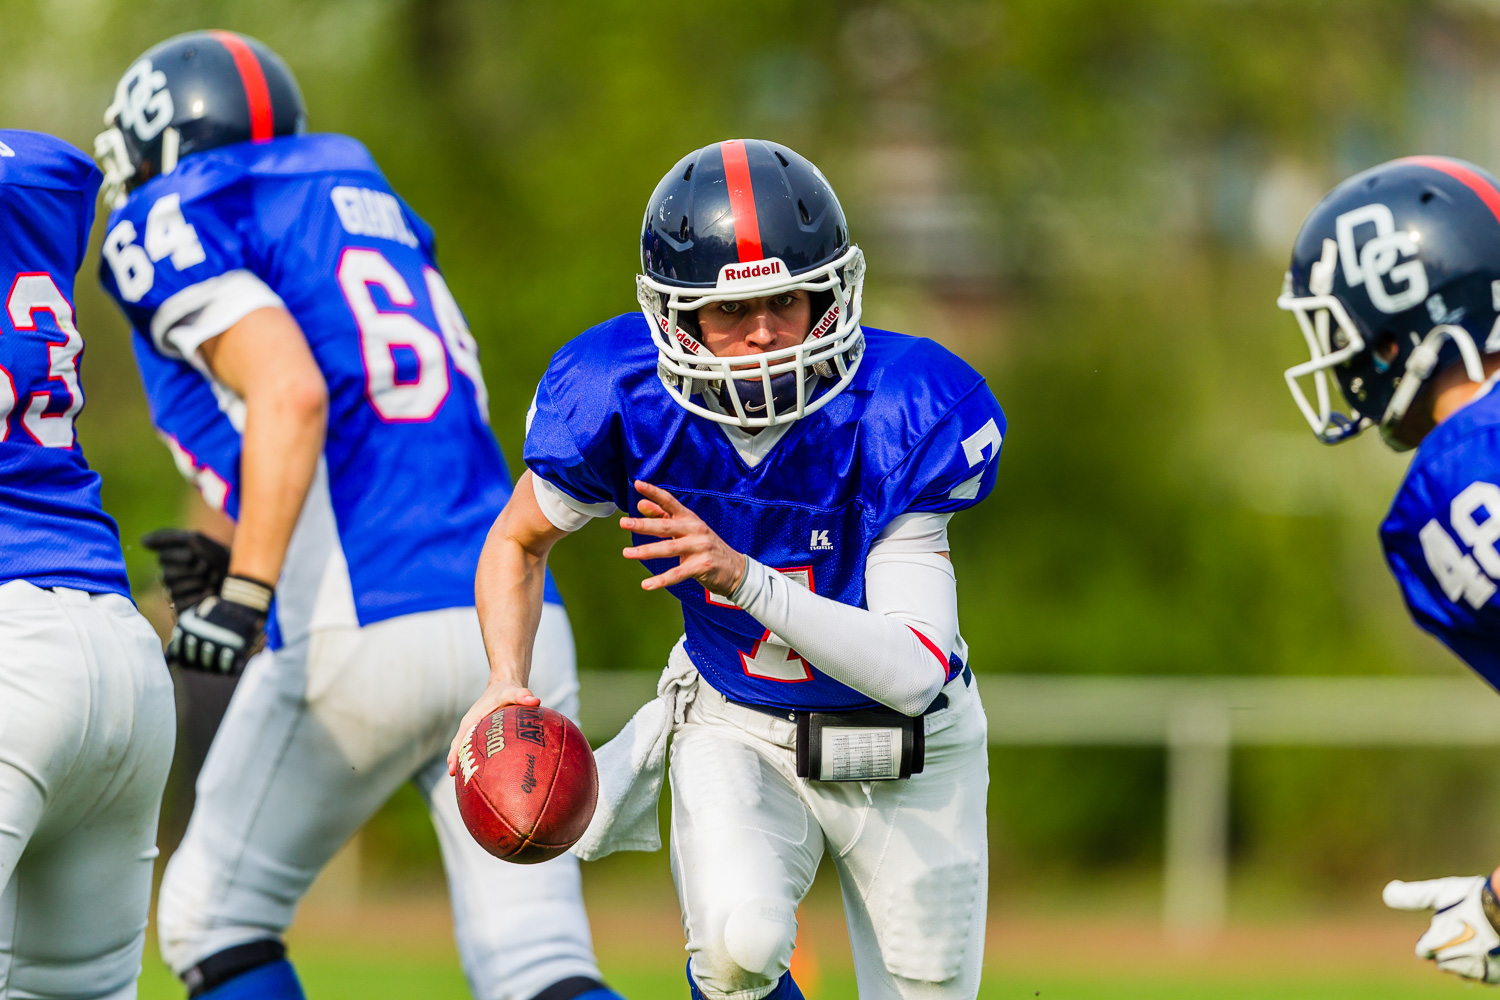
1395, 283
314, 377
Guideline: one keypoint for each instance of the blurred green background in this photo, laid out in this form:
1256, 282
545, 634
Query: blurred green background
1090, 200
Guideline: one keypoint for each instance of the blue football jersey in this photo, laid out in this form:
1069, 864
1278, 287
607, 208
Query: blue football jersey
917, 430
411, 476
53, 530
1441, 533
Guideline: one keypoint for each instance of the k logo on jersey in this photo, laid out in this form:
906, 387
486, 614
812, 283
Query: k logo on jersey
142, 101
1376, 261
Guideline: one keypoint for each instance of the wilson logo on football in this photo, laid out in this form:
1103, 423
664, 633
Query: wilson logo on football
142, 101
1378, 259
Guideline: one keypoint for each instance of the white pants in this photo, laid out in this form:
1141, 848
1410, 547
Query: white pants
87, 726
315, 739
747, 837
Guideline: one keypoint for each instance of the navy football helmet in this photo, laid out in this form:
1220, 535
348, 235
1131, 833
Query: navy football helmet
743, 219
1395, 276
191, 93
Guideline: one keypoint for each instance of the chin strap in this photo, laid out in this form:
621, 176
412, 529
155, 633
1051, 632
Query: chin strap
1340, 428
1419, 368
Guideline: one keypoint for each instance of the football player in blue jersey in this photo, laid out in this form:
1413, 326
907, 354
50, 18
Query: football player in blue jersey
87, 720
788, 476
1395, 283
316, 380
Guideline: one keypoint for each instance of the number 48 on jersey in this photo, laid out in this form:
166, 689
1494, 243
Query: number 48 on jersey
1467, 577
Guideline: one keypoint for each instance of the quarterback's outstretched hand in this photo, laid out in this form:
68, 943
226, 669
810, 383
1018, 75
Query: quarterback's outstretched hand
497, 694
1462, 938
702, 554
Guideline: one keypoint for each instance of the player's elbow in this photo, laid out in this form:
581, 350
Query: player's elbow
915, 701
306, 394
924, 672
923, 684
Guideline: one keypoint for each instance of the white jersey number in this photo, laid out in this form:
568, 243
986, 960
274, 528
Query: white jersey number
418, 396
1470, 577
772, 659
168, 235
31, 294
988, 436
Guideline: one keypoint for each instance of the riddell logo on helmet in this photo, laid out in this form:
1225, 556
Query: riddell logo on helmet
758, 272
682, 338
829, 318
759, 269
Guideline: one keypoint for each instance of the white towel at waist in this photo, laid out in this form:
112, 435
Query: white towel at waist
633, 764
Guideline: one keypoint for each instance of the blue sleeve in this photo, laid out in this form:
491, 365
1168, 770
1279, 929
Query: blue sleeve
1443, 554
185, 412
552, 451
954, 466
167, 241
48, 190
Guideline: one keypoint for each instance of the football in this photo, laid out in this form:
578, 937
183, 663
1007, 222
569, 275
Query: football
526, 783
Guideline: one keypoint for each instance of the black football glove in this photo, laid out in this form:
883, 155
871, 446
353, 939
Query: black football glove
218, 634
193, 566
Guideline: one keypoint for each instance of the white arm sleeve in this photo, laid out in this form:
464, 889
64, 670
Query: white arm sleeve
896, 652
566, 513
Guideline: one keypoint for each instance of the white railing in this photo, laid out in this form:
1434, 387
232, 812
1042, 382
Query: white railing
1198, 721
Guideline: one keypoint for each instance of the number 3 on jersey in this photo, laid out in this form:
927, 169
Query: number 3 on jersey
412, 397
30, 294
1470, 577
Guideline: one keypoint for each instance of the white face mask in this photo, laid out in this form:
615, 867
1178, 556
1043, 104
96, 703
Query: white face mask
833, 347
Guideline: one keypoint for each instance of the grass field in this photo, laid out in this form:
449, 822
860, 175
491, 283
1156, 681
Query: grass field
401, 949
347, 976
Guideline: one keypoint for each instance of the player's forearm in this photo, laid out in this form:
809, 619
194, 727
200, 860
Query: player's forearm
508, 593
283, 440
509, 584
265, 360
896, 656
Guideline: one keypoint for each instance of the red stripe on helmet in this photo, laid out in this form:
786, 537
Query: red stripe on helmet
257, 94
1470, 179
741, 200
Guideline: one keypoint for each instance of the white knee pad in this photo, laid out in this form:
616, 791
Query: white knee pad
760, 935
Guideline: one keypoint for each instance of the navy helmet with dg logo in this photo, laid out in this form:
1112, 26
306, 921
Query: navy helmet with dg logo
1395, 276
191, 93
737, 220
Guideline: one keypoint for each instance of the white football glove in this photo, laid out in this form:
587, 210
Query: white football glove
1461, 939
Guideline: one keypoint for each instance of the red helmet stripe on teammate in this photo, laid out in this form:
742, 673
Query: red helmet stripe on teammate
257, 94
1471, 180
741, 200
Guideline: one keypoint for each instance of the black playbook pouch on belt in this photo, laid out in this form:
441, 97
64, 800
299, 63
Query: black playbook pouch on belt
867, 745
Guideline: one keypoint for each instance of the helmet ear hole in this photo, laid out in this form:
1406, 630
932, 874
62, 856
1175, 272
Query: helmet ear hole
1386, 350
